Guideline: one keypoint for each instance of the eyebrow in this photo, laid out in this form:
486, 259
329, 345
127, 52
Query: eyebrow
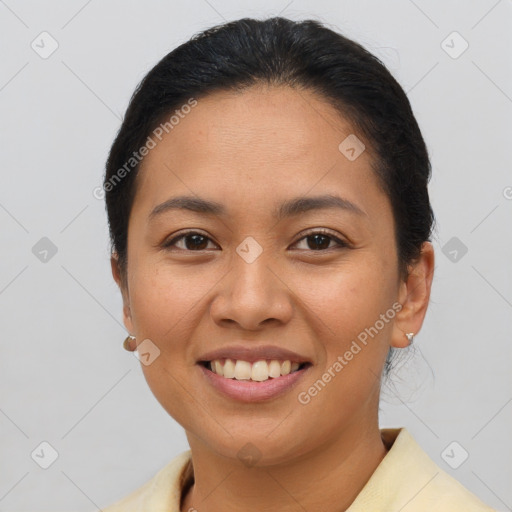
289, 208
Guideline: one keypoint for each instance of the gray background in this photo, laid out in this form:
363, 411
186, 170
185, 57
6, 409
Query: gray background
65, 378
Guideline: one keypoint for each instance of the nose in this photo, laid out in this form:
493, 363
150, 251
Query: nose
252, 295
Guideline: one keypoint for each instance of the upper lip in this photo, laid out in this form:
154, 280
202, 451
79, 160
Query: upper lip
253, 354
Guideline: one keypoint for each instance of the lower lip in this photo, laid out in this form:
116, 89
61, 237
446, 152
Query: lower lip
251, 391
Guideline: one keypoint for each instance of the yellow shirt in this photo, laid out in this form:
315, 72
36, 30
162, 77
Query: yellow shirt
406, 480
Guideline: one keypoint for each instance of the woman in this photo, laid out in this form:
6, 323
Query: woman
270, 226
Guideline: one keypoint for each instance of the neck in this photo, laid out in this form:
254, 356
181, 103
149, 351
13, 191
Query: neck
334, 474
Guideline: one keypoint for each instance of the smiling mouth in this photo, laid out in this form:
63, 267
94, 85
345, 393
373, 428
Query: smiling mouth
259, 371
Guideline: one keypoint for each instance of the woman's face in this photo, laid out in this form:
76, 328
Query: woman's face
252, 279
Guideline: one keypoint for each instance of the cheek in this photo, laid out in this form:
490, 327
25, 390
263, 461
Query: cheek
163, 301
353, 335
351, 298
351, 304
162, 298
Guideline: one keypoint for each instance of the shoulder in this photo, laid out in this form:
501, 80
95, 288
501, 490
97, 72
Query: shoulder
408, 479
446, 494
161, 493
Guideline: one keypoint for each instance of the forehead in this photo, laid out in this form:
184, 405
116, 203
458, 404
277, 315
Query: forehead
277, 123
252, 145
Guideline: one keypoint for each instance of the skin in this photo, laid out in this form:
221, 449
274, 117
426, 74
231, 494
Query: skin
251, 151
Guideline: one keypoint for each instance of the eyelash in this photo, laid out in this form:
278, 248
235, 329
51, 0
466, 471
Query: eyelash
341, 244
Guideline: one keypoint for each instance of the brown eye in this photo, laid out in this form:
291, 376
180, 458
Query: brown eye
320, 240
192, 241
315, 241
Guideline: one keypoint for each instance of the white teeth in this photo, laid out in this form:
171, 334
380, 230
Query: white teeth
242, 370
218, 368
258, 371
228, 368
274, 369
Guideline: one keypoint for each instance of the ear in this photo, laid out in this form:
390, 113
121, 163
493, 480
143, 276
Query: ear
414, 296
123, 286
